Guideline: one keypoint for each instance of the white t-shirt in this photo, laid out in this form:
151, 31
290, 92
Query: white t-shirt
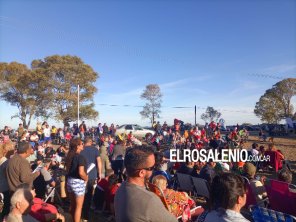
254, 152
46, 132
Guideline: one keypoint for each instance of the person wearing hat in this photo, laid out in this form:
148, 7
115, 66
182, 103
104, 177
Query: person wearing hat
256, 185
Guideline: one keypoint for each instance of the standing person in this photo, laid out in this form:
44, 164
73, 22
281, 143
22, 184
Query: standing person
20, 131
76, 171
117, 156
105, 129
99, 130
82, 130
39, 130
92, 156
18, 169
104, 156
47, 133
133, 202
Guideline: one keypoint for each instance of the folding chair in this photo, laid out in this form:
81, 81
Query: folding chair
201, 187
261, 214
52, 194
185, 182
280, 197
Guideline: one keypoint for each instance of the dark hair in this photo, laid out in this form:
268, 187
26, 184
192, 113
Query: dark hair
135, 158
23, 147
88, 139
254, 145
158, 160
74, 143
225, 190
285, 175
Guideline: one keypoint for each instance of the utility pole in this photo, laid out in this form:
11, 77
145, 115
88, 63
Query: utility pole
78, 106
195, 115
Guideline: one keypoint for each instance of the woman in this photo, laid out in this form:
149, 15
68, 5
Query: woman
77, 178
227, 197
6, 150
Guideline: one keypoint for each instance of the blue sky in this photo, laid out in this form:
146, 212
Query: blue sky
202, 53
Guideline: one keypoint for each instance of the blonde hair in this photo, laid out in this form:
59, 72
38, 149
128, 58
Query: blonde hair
160, 181
1, 150
5, 148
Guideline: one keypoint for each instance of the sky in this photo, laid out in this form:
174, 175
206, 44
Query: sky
223, 54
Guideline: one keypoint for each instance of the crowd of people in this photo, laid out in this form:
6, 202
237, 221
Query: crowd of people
94, 171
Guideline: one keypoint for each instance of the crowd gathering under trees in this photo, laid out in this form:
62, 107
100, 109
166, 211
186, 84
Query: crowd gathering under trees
83, 172
78, 171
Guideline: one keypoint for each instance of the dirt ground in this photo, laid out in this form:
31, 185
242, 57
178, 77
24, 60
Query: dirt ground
288, 147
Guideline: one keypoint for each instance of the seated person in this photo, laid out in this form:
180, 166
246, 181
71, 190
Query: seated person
197, 168
176, 200
101, 191
249, 171
186, 168
285, 175
62, 150
49, 151
254, 151
271, 147
207, 172
227, 197
44, 181
34, 137
160, 167
114, 184
22, 201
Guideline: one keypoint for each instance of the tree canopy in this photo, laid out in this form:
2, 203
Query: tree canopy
275, 104
49, 88
23, 88
153, 95
210, 114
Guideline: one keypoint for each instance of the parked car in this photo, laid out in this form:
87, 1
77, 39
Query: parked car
137, 131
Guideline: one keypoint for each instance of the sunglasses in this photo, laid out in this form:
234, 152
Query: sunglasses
149, 168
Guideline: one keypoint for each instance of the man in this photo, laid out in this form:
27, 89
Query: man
133, 202
91, 155
21, 202
207, 172
104, 156
18, 170
20, 131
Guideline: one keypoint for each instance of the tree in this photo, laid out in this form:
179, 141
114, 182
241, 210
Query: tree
275, 104
151, 110
49, 88
211, 114
65, 73
22, 87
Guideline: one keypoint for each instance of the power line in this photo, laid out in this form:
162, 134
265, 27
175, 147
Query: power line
268, 76
174, 107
